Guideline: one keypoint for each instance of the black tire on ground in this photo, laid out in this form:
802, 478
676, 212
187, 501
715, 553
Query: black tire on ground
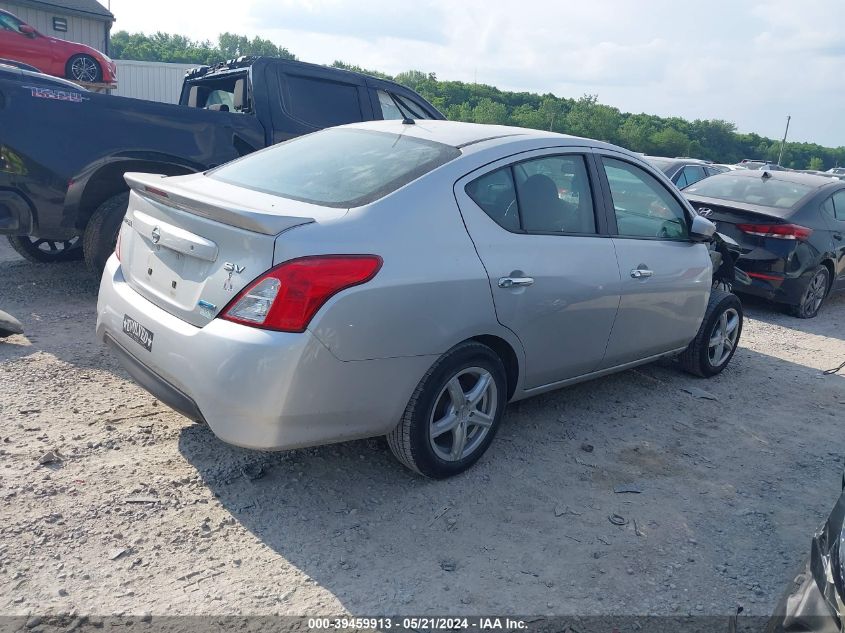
83, 68
36, 249
101, 233
410, 441
812, 299
698, 358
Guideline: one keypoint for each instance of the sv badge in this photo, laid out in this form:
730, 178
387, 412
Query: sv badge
231, 269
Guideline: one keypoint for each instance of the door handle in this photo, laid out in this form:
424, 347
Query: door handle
515, 282
837, 236
641, 273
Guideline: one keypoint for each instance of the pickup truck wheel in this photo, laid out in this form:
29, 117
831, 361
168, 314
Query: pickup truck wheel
453, 414
83, 68
718, 336
101, 233
40, 250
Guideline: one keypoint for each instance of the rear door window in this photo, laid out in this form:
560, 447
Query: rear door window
839, 205
689, 175
544, 195
322, 103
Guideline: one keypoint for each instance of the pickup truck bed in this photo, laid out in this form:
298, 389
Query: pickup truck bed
64, 150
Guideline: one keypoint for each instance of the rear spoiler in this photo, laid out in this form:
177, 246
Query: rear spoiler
161, 190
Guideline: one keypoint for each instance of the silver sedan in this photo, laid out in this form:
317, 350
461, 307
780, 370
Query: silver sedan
408, 280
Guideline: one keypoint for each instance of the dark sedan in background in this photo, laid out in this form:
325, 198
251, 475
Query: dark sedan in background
684, 171
790, 227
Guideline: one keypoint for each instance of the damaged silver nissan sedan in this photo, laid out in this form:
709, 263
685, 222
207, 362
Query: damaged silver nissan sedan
409, 280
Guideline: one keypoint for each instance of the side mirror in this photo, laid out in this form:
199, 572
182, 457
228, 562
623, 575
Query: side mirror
27, 30
702, 229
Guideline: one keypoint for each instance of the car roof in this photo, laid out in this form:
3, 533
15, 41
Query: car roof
468, 136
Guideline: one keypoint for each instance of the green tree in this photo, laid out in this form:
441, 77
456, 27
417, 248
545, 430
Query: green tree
489, 111
816, 163
670, 142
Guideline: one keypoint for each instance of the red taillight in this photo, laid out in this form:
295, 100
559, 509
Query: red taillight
288, 296
779, 231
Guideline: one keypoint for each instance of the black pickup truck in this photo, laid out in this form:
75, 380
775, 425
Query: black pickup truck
64, 150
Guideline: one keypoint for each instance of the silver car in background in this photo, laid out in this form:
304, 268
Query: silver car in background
406, 279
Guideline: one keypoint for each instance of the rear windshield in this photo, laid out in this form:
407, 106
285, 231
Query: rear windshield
767, 192
339, 167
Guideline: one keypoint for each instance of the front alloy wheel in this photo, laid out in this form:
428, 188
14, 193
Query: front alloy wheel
454, 412
723, 338
717, 338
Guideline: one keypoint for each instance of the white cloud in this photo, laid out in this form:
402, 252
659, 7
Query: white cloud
750, 62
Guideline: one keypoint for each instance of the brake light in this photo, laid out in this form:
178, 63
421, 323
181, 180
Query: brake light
779, 231
288, 296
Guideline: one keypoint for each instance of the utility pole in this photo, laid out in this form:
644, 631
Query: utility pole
783, 142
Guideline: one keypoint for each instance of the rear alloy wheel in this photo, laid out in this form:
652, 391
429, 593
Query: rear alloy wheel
83, 68
718, 336
453, 414
814, 295
36, 249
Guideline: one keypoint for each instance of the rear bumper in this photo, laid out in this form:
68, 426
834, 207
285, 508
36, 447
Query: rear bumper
773, 286
255, 388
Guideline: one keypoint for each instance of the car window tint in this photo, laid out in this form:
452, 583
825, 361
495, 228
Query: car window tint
322, 103
839, 204
496, 195
693, 173
337, 167
681, 179
554, 195
828, 209
9, 23
644, 207
415, 109
389, 109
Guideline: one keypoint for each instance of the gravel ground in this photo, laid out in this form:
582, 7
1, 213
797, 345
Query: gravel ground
146, 512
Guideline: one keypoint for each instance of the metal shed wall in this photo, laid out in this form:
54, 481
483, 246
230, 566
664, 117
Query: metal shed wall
153, 81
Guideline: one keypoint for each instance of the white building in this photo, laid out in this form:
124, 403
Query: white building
153, 81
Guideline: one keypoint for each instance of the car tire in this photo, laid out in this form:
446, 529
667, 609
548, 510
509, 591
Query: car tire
814, 294
45, 251
470, 425
718, 336
83, 68
101, 233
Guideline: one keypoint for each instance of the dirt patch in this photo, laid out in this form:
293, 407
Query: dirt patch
140, 510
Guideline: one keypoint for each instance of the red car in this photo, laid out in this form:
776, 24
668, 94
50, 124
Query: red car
21, 42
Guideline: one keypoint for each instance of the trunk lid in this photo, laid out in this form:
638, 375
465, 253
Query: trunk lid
189, 244
727, 214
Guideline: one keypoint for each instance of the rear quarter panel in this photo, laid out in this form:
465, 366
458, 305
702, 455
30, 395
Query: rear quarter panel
432, 291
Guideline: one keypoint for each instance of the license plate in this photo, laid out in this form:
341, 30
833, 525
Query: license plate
137, 332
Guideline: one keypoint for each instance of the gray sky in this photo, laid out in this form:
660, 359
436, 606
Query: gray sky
751, 62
